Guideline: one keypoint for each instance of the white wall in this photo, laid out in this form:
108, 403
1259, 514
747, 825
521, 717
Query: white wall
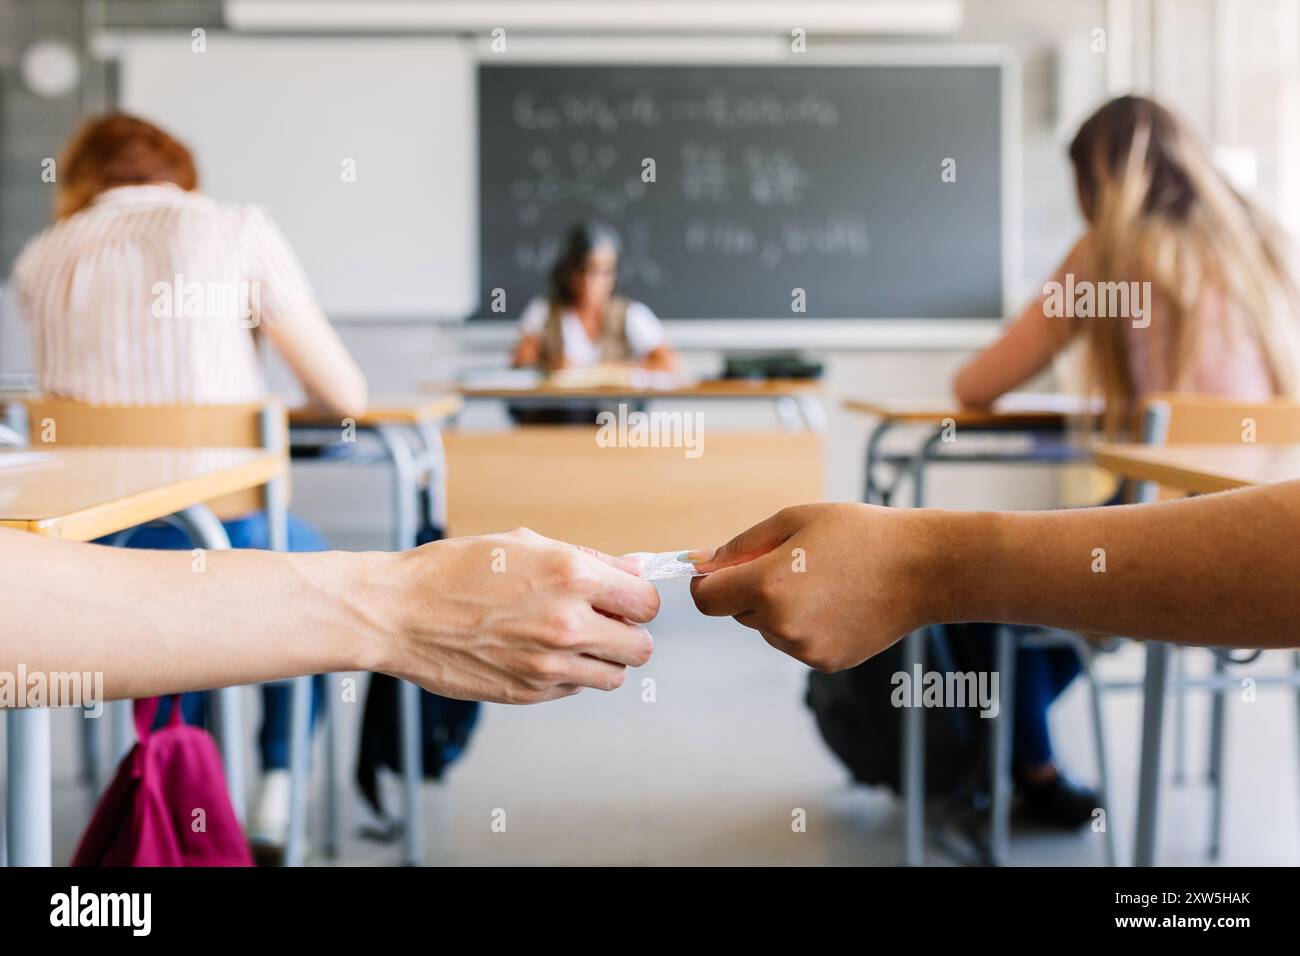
362, 150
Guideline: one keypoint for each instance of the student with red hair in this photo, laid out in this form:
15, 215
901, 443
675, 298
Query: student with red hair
144, 291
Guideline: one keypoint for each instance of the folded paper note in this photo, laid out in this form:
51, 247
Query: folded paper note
658, 566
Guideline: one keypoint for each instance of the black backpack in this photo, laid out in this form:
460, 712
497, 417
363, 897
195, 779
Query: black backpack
863, 728
446, 725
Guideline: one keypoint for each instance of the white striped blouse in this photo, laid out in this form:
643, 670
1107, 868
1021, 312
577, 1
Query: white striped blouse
149, 296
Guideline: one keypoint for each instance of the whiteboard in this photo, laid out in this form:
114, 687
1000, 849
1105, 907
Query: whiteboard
275, 120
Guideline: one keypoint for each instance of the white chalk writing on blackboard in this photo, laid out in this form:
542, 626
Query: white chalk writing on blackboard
717, 109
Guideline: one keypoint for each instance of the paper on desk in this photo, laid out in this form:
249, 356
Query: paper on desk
662, 565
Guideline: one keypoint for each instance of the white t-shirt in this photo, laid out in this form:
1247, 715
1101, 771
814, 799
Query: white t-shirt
645, 332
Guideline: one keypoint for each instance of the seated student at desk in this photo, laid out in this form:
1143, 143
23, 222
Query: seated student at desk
581, 322
1220, 319
106, 291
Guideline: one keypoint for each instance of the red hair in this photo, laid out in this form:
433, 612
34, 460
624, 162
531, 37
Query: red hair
118, 149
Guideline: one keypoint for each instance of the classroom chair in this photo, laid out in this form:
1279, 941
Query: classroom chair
1175, 419
62, 422
1087, 648
1166, 419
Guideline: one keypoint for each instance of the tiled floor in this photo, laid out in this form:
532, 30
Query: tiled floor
712, 770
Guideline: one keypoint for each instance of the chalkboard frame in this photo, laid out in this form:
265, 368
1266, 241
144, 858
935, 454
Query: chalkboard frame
847, 331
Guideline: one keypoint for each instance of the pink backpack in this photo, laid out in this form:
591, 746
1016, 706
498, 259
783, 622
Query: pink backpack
168, 804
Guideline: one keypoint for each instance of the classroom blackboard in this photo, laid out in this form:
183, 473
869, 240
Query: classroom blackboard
766, 180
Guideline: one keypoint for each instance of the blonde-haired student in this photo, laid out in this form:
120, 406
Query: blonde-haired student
1178, 284
1204, 279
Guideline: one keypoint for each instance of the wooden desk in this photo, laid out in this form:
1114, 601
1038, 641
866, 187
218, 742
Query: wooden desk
397, 411
86, 493
1202, 469
558, 481
1015, 411
709, 388
797, 401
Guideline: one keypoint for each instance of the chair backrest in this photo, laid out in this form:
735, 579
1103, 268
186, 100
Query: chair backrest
1207, 419
1176, 419
59, 421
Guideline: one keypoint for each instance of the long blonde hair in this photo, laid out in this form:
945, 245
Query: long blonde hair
1159, 211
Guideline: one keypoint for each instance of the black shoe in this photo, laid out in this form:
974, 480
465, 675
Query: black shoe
1059, 802
268, 854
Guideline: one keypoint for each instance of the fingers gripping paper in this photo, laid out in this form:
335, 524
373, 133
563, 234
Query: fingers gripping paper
659, 566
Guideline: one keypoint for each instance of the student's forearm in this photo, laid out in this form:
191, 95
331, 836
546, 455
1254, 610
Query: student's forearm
1214, 570
156, 621
321, 362
528, 352
662, 359
513, 618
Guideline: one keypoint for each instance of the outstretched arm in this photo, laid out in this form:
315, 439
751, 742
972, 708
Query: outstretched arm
834, 584
514, 618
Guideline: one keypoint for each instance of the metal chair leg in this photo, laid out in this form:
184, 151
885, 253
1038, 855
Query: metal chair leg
1088, 658
91, 749
914, 758
1214, 774
412, 772
913, 761
121, 729
1000, 753
1155, 684
295, 850
405, 494
1180, 716
206, 531
277, 519
1295, 660
330, 779
28, 818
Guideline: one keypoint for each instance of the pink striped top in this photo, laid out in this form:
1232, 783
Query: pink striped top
150, 296
1226, 362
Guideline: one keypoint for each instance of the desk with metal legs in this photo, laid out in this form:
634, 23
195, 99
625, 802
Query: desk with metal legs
797, 401
410, 442
1193, 469
944, 418
86, 493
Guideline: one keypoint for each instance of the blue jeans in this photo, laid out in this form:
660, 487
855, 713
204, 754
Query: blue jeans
250, 531
1042, 674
